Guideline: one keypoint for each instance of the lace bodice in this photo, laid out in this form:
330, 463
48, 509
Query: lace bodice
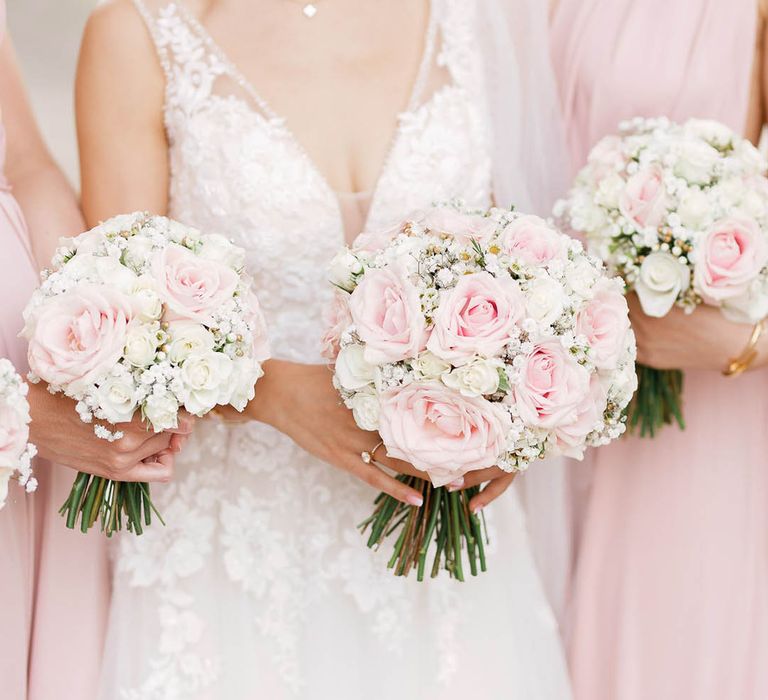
251, 516
236, 167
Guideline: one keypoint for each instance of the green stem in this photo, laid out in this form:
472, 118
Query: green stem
456, 535
76, 497
435, 509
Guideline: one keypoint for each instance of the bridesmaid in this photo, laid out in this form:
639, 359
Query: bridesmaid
670, 596
53, 583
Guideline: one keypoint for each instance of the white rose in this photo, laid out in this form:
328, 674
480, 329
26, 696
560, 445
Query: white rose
694, 210
117, 398
609, 191
187, 338
710, 130
120, 223
138, 250
245, 374
162, 411
729, 192
141, 343
365, 410
750, 307
477, 378
544, 300
343, 268
754, 204
695, 161
146, 301
662, 278
352, 371
581, 276
219, 248
179, 233
205, 380
430, 366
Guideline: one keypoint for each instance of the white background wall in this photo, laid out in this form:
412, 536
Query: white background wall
46, 34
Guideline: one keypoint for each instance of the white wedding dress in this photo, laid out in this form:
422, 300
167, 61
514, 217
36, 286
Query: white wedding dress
260, 587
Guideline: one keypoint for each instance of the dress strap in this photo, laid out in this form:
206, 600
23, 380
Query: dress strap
192, 68
150, 21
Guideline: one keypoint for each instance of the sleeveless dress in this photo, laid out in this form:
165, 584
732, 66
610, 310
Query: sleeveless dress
54, 583
260, 586
670, 596
17, 517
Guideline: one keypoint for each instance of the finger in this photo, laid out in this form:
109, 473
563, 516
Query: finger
185, 424
376, 478
152, 446
481, 476
491, 492
455, 485
177, 443
157, 469
398, 465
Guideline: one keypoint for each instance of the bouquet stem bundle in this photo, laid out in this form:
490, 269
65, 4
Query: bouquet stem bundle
97, 498
444, 519
657, 402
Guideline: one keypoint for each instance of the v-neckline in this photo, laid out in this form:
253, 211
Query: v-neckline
412, 106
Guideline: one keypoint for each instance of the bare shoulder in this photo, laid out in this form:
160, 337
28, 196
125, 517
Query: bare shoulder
116, 18
117, 50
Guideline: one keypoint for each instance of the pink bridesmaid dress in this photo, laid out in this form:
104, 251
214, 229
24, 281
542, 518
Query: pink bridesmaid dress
54, 584
670, 591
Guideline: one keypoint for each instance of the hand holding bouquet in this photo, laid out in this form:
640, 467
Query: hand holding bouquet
468, 340
680, 211
15, 452
142, 314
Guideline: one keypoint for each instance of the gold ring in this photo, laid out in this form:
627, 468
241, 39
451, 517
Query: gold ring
369, 457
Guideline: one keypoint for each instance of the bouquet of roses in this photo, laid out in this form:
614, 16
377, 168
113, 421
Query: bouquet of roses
15, 452
142, 314
680, 211
468, 340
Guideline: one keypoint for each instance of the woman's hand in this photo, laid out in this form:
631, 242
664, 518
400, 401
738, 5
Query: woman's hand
498, 482
300, 401
61, 437
704, 339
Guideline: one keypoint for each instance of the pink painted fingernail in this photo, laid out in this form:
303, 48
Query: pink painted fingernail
476, 509
456, 485
417, 501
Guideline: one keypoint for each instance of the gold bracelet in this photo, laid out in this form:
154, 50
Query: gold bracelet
740, 364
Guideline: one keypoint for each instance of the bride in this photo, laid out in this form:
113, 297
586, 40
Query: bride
291, 127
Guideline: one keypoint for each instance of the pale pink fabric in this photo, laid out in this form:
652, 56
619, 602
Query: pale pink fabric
53, 583
670, 595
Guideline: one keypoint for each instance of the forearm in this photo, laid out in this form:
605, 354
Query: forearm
49, 206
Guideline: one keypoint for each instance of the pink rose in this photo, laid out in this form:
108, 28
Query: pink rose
585, 418
477, 316
337, 318
191, 286
644, 199
14, 435
464, 227
386, 311
728, 259
605, 323
552, 386
374, 241
532, 241
76, 338
606, 157
440, 431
